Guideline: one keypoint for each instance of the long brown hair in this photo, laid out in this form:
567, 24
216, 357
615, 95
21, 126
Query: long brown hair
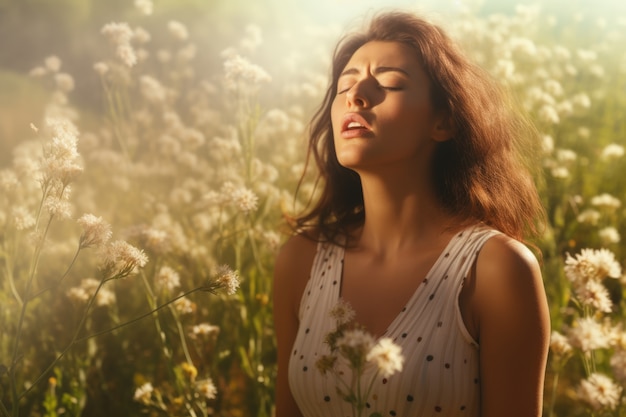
479, 175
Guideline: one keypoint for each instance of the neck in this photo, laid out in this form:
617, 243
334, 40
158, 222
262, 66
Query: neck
400, 215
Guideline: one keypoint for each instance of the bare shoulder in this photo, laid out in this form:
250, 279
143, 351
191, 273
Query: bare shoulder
512, 313
507, 259
293, 267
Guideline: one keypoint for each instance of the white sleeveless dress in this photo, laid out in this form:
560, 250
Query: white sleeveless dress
440, 375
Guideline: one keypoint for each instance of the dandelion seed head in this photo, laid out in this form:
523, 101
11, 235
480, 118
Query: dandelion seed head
239, 71
167, 279
600, 392
96, 231
228, 279
387, 356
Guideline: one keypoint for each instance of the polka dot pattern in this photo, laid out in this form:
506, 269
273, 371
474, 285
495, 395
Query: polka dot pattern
437, 348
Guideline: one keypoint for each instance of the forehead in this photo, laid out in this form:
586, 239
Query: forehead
385, 53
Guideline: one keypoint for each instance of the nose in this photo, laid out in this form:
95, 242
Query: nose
357, 96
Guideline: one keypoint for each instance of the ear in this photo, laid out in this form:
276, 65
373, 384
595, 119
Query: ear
443, 129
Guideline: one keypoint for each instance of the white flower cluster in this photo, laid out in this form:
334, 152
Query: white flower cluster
120, 35
586, 271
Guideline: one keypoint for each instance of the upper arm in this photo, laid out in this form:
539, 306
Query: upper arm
291, 271
514, 329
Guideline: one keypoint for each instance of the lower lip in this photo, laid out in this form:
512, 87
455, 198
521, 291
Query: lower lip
356, 133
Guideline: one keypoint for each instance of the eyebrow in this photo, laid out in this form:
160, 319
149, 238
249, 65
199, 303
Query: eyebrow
377, 70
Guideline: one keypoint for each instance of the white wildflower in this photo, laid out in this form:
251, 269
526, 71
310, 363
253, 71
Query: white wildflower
204, 330
141, 36
618, 365
101, 68
588, 334
342, 312
600, 392
589, 216
52, 63
560, 172
609, 235
122, 259
612, 151
167, 279
87, 289
126, 54
387, 356
548, 114
59, 208
581, 101
592, 264
178, 30
144, 393
96, 231
245, 200
239, 70
22, 218
38, 72
184, 306
206, 388
64, 82
566, 155
606, 201
151, 89
547, 144
228, 279
594, 294
145, 7
118, 33
559, 345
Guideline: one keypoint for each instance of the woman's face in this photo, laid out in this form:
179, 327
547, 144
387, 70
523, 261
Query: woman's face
382, 115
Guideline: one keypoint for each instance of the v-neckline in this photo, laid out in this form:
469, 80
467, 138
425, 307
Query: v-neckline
442, 255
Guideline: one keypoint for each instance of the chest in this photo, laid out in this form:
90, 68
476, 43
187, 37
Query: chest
378, 290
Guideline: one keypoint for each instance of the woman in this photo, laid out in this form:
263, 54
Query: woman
418, 227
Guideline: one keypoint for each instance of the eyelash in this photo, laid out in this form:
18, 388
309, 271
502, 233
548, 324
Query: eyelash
380, 86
